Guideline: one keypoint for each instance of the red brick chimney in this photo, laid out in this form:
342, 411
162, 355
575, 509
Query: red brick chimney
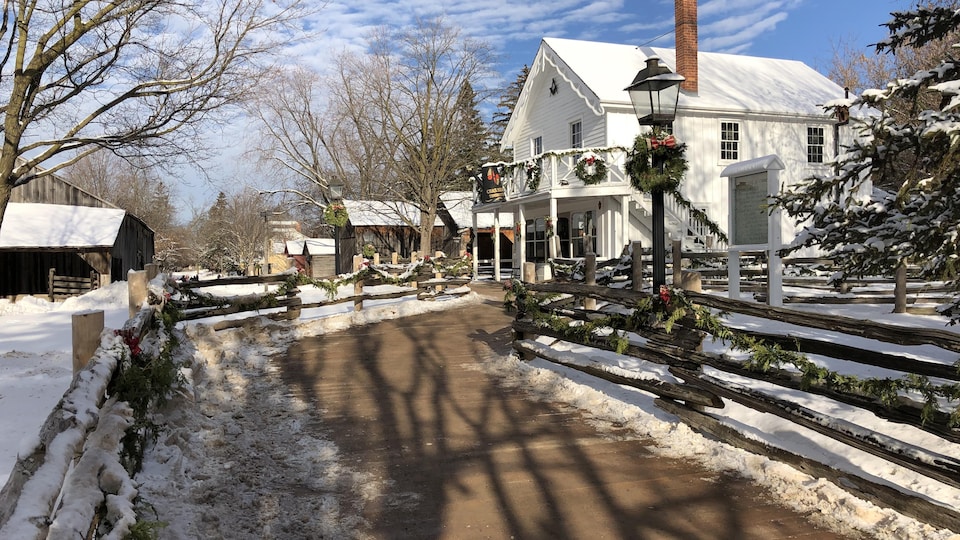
685, 21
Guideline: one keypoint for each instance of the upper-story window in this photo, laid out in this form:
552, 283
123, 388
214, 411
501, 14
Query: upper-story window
729, 141
536, 146
815, 143
576, 134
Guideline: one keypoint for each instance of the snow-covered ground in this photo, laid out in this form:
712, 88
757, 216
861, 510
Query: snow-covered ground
216, 434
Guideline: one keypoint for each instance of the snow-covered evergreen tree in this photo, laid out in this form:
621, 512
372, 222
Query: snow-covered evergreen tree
920, 222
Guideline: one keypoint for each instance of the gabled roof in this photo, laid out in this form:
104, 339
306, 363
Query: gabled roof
50, 226
460, 206
319, 246
727, 82
383, 214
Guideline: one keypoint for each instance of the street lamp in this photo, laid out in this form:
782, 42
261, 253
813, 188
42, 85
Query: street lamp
654, 93
336, 194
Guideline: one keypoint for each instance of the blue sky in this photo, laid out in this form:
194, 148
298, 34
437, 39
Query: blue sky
802, 30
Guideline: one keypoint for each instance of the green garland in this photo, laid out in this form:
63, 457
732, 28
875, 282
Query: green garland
644, 163
533, 176
671, 305
335, 214
599, 171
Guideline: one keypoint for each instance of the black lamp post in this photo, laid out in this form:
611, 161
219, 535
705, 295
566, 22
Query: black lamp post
654, 93
336, 195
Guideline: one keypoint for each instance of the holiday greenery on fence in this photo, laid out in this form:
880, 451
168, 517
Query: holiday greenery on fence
534, 172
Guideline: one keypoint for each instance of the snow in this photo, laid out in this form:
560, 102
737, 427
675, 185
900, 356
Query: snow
213, 433
55, 225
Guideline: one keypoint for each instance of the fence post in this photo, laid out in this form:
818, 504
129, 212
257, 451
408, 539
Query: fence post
358, 291
636, 266
376, 259
394, 257
136, 290
690, 281
900, 289
733, 274
590, 278
677, 262
294, 303
529, 272
152, 269
86, 328
50, 274
357, 261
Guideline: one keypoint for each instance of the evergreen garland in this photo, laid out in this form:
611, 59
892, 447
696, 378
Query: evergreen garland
534, 174
656, 163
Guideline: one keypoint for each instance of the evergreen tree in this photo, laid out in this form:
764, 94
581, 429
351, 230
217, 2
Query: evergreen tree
505, 107
471, 138
215, 254
917, 221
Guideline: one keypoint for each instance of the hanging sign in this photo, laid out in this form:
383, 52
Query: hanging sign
489, 186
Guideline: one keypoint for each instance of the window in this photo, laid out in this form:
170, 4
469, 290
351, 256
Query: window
729, 141
576, 135
536, 237
536, 146
815, 142
582, 234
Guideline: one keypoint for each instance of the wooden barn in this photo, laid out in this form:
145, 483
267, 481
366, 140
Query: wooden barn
52, 227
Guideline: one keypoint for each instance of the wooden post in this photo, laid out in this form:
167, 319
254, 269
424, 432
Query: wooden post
87, 327
357, 262
677, 262
900, 289
376, 259
293, 308
636, 266
413, 256
590, 278
394, 257
358, 291
438, 275
50, 274
690, 281
153, 270
136, 290
529, 272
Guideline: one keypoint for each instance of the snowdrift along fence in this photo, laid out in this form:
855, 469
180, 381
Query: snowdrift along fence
76, 452
559, 314
285, 303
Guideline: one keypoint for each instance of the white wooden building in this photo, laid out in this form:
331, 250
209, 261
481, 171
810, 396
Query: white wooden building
732, 109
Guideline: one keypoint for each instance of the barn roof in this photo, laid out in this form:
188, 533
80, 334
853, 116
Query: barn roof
46, 226
460, 206
365, 213
320, 246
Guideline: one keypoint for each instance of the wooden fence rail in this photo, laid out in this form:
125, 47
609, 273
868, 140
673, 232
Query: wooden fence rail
692, 398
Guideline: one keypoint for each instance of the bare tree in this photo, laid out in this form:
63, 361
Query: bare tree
417, 98
392, 125
135, 77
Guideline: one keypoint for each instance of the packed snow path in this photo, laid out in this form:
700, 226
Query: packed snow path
397, 430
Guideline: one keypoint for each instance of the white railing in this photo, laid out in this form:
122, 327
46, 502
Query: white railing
557, 170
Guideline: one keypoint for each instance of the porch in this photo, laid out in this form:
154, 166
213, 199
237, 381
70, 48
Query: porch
560, 214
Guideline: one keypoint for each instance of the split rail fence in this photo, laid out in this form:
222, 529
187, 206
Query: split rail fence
692, 399
41, 481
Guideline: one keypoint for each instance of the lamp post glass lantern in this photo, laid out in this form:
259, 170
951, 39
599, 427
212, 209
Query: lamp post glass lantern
654, 93
336, 194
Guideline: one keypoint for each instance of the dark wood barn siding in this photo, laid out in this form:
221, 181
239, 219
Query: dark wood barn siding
25, 272
53, 190
133, 248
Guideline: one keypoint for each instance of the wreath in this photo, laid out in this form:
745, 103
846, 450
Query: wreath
588, 162
533, 176
335, 214
656, 163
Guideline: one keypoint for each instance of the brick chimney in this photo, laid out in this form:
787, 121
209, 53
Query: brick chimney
685, 21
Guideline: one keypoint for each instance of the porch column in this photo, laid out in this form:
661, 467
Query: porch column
496, 245
518, 243
474, 259
554, 240
624, 221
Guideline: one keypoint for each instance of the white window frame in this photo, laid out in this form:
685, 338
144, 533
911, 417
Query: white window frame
576, 137
536, 146
730, 147
816, 145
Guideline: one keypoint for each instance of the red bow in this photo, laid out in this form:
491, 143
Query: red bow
670, 141
590, 160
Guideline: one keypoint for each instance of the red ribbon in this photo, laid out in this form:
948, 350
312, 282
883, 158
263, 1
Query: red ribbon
670, 141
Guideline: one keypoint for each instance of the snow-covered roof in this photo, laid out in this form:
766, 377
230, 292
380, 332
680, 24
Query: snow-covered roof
727, 82
35, 225
320, 246
364, 213
294, 247
460, 206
